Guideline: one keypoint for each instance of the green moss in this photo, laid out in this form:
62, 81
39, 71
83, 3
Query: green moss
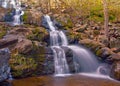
96, 32
3, 31
98, 52
25, 16
112, 17
96, 14
68, 24
19, 63
38, 34
2, 34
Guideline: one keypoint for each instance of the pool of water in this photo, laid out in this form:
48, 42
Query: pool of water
69, 80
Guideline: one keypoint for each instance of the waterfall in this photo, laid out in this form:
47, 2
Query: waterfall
4, 3
84, 61
17, 17
61, 66
13, 3
57, 39
9, 3
17, 11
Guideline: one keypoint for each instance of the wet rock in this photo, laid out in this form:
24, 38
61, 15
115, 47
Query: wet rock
70, 59
4, 66
49, 64
115, 71
48, 50
105, 52
49, 61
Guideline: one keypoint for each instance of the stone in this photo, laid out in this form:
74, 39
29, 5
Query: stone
115, 71
106, 52
115, 57
8, 41
4, 66
24, 46
16, 39
20, 31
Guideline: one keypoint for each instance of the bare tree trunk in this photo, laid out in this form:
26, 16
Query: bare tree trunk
49, 5
106, 21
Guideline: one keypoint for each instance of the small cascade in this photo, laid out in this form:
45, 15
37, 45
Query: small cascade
4, 3
61, 66
17, 17
8, 3
16, 14
17, 20
84, 61
12, 4
57, 39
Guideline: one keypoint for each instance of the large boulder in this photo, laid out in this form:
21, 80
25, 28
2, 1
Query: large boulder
24, 46
8, 42
4, 66
16, 39
20, 31
115, 71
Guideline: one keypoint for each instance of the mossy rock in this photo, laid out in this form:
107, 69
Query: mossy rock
20, 63
96, 32
25, 16
2, 34
3, 31
115, 71
38, 34
31, 64
66, 22
99, 52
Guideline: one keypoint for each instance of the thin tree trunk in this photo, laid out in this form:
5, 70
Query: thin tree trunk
106, 20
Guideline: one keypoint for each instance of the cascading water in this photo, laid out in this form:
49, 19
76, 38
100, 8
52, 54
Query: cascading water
17, 11
84, 61
4, 3
61, 66
17, 17
13, 3
8, 3
60, 62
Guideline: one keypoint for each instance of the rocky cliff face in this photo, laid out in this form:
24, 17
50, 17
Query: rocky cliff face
4, 66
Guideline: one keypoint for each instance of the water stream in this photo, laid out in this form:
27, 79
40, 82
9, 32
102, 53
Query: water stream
57, 39
85, 62
17, 12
